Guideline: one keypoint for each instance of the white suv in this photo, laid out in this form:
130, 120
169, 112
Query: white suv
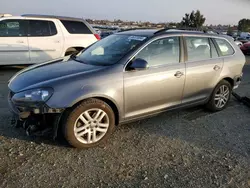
30, 39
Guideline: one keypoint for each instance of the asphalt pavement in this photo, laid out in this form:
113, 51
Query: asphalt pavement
186, 148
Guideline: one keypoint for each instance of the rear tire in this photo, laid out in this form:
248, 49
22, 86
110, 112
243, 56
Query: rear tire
220, 97
89, 124
71, 51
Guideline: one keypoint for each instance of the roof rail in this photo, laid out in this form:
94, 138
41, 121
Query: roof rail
180, 28
5, 15
51, 16
135, 28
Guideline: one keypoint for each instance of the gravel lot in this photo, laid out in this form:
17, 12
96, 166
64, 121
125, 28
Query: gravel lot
187, 148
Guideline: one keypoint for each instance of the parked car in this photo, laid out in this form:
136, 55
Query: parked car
243, 40
125, 77
30, 39
106, 33
245, 35
245, 48
237, 42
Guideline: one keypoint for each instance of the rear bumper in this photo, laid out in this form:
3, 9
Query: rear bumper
237, 81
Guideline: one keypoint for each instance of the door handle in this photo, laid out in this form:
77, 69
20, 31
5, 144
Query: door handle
216, 67
20, 41
178, 74
57, 41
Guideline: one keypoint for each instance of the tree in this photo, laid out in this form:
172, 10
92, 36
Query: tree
244, 25
194, 19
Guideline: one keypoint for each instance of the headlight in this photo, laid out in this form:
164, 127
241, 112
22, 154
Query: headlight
34, 95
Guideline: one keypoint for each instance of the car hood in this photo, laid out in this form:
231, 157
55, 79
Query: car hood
56, 69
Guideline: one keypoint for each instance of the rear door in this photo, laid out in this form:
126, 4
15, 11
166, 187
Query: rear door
45, 41
13, 42
203, 68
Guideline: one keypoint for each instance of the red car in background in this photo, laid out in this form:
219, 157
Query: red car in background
245, 48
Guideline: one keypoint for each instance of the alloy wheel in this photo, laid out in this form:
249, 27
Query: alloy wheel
91, 126
222, 96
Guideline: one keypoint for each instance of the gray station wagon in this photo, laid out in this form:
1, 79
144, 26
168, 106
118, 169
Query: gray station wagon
124, 77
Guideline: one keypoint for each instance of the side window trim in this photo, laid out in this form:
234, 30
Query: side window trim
185, 48
217, 47
212, 43
149, 42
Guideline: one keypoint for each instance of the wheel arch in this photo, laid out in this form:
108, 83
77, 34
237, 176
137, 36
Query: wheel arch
230, 80
107, 100
227, 78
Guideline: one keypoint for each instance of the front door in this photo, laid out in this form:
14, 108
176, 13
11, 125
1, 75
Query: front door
14, 47
203, 68
45, 42
161, 85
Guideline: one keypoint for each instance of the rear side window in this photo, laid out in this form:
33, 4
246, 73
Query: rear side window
13, 28
76, 27
224, 47
198, 48
41, 28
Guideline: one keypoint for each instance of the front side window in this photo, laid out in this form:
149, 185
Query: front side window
198, 48
40, 28
13, 28
110, 50
161, 52
225, 48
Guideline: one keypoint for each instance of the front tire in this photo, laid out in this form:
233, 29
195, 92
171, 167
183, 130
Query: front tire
220, 97
89, 124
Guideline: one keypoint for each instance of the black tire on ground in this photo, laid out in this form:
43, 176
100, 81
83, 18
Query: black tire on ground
69, 121
211, 103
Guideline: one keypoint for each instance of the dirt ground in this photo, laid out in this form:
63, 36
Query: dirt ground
186, 148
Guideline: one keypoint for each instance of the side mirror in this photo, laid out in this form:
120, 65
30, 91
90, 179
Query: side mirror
138, 64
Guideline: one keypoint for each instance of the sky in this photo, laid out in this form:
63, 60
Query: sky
215, 11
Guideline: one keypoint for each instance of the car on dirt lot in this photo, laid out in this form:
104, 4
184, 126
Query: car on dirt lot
125, 77
30, 39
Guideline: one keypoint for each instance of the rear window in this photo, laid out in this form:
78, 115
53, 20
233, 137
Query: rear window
76, 27
224, 47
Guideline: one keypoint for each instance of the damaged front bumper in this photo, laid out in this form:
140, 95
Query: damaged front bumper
38, 115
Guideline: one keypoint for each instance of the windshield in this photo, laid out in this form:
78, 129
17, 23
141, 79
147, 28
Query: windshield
110, 49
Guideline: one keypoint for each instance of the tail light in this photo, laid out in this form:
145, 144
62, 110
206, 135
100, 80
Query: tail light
97, 37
